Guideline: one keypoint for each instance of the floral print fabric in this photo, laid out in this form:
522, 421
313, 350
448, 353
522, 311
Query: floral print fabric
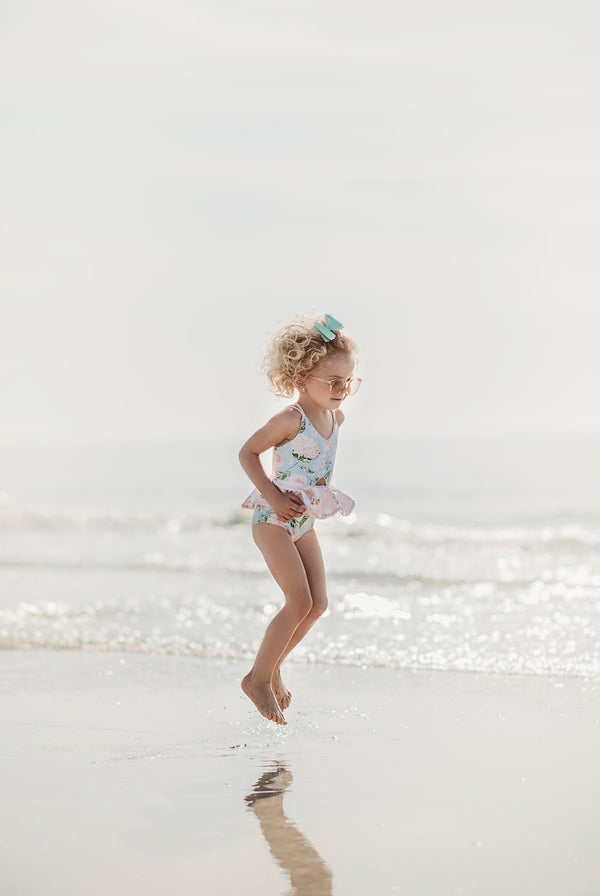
305, 466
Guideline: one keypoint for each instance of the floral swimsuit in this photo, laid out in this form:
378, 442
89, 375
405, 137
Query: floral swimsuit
304, 466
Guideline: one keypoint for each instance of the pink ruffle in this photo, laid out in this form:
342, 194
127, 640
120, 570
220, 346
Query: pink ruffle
320, 501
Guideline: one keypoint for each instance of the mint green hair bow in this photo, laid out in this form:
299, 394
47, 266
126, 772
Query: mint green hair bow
328, 330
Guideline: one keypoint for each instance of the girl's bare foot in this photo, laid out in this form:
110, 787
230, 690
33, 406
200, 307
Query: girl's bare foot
282, 695
263, 698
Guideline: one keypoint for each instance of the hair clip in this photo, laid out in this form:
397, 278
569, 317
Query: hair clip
326, 330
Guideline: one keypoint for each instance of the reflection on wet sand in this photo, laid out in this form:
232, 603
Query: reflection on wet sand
309, 874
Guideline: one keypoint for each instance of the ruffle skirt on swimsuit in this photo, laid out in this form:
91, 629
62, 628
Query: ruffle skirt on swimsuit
320, 501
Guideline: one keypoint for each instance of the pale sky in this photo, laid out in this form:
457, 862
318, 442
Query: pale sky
178, 176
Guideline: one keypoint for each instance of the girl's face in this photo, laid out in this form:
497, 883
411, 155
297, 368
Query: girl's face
331, 381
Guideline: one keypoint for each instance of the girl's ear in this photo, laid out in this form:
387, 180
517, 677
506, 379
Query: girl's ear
299, 382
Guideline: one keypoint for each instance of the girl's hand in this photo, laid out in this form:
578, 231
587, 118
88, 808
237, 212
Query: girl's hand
287, 505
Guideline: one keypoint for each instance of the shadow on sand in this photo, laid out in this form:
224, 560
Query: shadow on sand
309, 874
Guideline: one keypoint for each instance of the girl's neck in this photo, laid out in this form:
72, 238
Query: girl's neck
321, 417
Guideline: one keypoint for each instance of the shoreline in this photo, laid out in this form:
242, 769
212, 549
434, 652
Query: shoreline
133, 772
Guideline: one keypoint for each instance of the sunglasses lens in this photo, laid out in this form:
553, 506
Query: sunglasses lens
337, 387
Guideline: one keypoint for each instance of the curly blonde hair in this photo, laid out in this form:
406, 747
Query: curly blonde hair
295, 348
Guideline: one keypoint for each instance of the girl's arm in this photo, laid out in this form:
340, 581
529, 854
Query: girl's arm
279, 429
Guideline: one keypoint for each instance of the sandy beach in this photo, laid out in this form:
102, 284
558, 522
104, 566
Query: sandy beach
126, 773
182, 180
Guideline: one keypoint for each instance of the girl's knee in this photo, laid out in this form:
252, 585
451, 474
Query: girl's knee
319, 605
300, 605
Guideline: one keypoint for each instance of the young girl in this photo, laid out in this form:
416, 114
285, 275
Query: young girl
313, 356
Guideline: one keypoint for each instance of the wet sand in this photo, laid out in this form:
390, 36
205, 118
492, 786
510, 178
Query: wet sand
133, 774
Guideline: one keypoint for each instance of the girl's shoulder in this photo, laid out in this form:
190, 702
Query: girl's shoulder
293, 413
339, 416
286, 424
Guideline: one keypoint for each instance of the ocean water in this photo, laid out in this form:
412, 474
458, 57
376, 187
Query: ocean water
463, 554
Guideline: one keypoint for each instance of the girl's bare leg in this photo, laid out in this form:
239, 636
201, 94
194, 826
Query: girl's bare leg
285, 564
312, 560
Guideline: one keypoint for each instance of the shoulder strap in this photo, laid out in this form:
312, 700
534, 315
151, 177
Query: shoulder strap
298, 407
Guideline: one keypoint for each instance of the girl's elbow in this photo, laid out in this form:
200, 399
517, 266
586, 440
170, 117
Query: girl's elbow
244, 454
